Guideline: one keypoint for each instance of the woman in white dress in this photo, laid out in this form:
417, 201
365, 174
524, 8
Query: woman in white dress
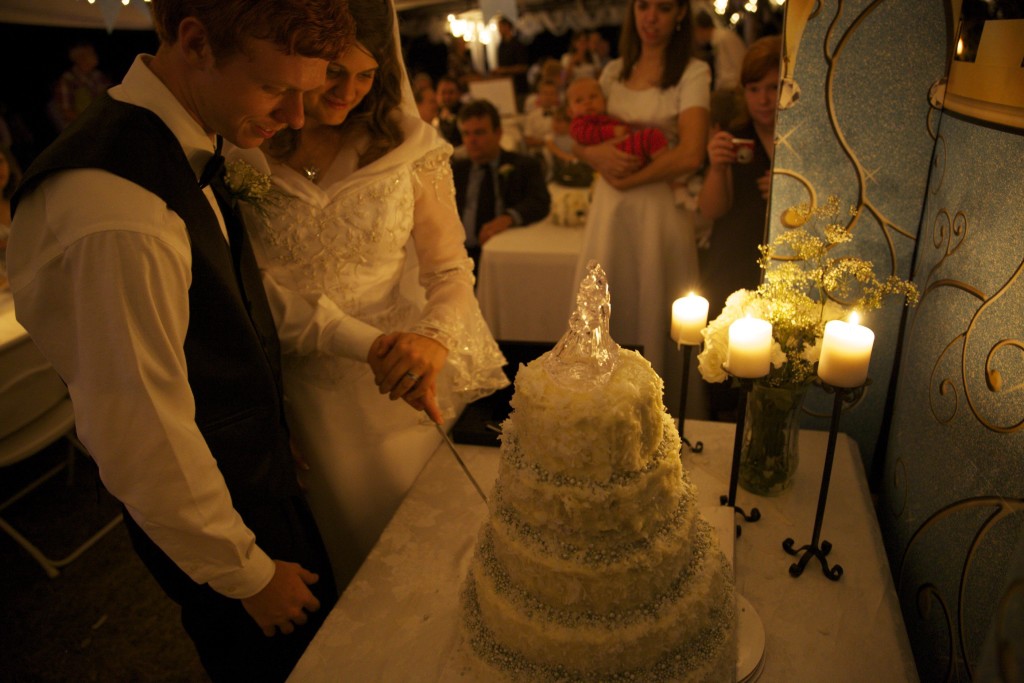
635, 230
362, 188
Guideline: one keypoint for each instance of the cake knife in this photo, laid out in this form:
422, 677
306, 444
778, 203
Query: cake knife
451, 447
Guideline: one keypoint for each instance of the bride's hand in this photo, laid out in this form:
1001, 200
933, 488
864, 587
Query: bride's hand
405, 365
428, 404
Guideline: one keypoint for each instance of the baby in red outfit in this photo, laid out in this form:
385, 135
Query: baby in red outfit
591, 123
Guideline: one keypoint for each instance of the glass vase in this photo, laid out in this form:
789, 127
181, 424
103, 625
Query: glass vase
771, 434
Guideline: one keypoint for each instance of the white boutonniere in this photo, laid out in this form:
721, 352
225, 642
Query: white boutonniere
248, 185
505, 170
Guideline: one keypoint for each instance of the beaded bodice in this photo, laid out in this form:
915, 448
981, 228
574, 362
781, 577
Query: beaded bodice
349, 246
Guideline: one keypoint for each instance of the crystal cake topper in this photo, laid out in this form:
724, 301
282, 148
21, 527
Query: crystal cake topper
587, 352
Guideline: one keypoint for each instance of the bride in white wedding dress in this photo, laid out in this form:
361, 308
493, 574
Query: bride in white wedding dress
362, 188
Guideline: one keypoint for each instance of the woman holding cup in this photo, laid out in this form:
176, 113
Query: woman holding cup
735, 194
738, 180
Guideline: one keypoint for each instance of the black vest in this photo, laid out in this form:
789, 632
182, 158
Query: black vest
231, 347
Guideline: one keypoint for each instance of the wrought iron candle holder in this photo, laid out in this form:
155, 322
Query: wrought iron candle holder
697, 446
816, 548
745, 385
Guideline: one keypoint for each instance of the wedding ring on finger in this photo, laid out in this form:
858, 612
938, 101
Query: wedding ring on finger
412, 377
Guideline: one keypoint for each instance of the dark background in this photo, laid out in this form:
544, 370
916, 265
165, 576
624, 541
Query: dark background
36, 56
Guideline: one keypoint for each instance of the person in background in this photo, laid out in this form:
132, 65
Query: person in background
600, 50
6, 136
513, 59
735, 195
494, 189
546, 69
426, 103
723, 50
449, 100
635, 230
132, 273
16, 135
578, 62
537, 122
10, 176
78, 86
591, 123
564, 168
559, 142
421, 79
460, 62
361, 189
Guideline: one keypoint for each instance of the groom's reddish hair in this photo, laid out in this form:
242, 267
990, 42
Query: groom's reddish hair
310, 28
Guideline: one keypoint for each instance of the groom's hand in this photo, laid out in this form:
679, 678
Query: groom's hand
283, 603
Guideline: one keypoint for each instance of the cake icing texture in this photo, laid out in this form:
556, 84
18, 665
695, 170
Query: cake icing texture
594, 564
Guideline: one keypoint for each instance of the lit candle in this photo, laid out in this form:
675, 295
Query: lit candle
750, 348
689, 317
845, 353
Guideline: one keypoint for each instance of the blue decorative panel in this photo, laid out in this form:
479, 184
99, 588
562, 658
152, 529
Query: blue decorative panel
938, 197
860, 130
953, 493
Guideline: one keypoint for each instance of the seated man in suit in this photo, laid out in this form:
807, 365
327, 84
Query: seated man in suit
495, 189
449, 100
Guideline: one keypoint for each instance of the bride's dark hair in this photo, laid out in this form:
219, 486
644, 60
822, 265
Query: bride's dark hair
376, 117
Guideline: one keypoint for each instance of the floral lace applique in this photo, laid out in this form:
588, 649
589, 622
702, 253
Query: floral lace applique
324, 248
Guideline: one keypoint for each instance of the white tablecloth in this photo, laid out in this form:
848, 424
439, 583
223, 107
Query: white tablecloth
398, 620
526, 282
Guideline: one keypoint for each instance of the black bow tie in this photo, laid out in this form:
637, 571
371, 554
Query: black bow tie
213, 167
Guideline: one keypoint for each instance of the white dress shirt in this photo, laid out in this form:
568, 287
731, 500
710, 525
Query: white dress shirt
100, 271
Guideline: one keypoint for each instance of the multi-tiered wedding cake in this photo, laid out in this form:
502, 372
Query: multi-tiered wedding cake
594, 564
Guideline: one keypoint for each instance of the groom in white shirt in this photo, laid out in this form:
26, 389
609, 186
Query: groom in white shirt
131, 270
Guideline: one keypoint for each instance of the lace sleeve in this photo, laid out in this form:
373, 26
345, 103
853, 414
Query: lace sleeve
451, 315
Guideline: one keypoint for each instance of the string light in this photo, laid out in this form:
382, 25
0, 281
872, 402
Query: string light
470, 27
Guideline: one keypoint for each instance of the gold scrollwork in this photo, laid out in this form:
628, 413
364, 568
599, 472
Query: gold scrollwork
993, 378
899, 485
864, 202
948, 236
1011, 603
938, 165
946, 388
926, 592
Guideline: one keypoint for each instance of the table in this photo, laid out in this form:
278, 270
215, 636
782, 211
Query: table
526, 281
11, 330
398, 620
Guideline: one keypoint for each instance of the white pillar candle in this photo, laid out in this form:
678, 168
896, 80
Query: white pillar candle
750, 348
845, 353
689, 317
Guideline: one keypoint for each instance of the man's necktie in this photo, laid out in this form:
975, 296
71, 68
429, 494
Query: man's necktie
214, 166
485, 201
247, 272
214, 176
